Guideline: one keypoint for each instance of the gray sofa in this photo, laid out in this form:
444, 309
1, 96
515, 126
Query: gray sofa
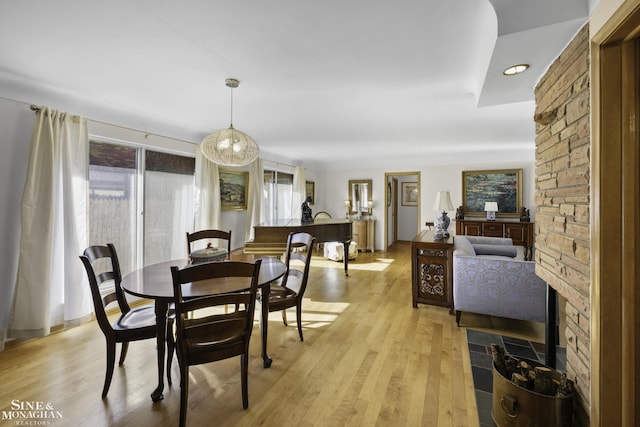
489, 279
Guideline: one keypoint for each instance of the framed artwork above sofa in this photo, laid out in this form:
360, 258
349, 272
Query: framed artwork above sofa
503, 186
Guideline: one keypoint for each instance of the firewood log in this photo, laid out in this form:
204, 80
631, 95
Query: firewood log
520, 380
497, 352
512, 365
565, 388
543, 383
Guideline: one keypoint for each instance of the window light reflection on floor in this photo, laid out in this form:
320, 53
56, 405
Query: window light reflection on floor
380, 264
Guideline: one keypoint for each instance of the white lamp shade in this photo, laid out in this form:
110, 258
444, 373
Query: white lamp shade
491, 206
230, 147
443, 202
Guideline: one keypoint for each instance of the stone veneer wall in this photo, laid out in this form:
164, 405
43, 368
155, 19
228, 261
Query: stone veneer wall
562, 247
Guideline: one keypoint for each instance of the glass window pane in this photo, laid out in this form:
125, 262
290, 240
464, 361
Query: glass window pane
112, 200
168, 205
278, 195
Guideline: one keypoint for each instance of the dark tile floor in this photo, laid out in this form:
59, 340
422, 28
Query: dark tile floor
481, 364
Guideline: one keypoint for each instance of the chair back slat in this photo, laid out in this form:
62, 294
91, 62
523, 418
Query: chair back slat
293, 253
215, 300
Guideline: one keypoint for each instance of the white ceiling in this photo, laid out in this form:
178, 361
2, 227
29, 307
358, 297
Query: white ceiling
409, 81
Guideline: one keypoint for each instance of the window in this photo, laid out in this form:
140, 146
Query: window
144, 207
168, 205
112, 200
278, 194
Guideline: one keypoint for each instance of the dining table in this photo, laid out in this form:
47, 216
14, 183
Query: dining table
155, 282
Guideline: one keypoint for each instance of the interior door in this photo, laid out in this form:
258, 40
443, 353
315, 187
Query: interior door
394, 202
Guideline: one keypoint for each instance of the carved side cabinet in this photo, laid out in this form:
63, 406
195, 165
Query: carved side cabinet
432, 270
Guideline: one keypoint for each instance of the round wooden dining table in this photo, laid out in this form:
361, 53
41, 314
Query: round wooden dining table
155, 282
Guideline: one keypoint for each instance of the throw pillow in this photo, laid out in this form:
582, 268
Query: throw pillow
464, 245
501, 250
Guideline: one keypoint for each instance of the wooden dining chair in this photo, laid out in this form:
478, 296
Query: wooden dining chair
102, 266
209, 234
209, 335
288, 292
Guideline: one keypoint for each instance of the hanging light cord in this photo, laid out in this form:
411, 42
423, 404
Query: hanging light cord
231, 125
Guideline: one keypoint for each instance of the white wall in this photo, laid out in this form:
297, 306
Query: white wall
449, 177
407, 215
16, 122
331, 191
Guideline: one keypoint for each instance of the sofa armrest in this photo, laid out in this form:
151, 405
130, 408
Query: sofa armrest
498, 286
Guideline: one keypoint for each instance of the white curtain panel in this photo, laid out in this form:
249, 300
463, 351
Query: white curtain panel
207, 198
254, 205
51, 286
299, 192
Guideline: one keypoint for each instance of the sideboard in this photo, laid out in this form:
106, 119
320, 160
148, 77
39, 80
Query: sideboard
432, 270
520, 232
363, 233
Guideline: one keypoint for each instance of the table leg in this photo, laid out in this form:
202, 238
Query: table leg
346, 257
264, 321
161, 337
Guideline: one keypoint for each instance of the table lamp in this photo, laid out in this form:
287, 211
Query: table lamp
491, 208
441, 223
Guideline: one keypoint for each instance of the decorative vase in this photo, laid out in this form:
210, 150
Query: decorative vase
441, 225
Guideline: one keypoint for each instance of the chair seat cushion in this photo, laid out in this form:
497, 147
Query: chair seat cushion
281, 298
279, 292
140, 317
208, 254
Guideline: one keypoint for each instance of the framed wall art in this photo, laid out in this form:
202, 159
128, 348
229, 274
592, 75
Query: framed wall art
311, 191
409, 194
234, 186
502, 186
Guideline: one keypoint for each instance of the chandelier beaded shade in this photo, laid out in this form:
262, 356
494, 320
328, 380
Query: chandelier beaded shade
230, 147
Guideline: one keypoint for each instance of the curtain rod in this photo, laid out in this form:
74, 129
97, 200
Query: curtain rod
36, 108
278, 163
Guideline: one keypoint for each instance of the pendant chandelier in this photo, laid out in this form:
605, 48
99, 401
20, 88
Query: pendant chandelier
230, 147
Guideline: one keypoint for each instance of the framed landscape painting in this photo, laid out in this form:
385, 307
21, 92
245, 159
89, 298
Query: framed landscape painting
502, 186
233, 189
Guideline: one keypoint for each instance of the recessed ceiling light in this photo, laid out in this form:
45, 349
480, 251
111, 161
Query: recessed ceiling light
515, 69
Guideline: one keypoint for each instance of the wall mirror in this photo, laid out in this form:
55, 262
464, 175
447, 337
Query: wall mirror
360, 196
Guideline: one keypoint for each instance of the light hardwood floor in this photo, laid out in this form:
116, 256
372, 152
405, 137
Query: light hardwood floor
368, 358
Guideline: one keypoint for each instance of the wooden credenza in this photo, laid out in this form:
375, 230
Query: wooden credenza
520, 232
432, 270
364, 234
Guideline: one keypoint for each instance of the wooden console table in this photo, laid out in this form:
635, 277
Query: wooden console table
432, 270
363, 233
520, 232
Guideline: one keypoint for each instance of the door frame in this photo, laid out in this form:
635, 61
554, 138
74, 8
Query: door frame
615, 220
393, 222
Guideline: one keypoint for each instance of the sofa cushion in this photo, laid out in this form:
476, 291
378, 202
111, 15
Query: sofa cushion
463, 245
501, 250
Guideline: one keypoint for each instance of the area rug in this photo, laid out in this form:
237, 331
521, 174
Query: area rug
481, 364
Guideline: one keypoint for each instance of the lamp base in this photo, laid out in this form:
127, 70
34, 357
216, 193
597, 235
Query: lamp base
441, 224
